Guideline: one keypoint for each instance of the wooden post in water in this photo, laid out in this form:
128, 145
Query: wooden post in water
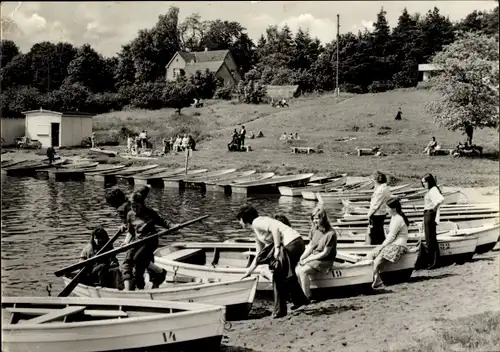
188, 154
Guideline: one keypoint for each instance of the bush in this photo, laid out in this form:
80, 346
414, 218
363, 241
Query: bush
69, 97
178, 94
379, 87
250, 92
204, 84
224, 92
145, 95
352, 88
104, 102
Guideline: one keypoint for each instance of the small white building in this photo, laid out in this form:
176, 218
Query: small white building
428, 70
58, 129
12, 128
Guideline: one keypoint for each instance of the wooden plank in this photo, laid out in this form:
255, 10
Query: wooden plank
91, 312
55, 314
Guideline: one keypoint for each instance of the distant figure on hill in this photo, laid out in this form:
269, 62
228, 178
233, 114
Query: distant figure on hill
243, 132
297, 136
51, 152
252, 135
92, 140
283, 136
191, 142
260, 135
290, 136
398, 115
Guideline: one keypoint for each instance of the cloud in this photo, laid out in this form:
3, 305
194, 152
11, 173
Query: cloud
367, 24
323, 28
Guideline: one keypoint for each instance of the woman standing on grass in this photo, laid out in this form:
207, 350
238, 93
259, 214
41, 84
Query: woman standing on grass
394, 245
378, 211
321, 251
280, 246
432, 202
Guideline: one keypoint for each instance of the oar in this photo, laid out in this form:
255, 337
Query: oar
137, 243
76, 280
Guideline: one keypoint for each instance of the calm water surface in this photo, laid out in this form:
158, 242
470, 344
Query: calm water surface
45, 224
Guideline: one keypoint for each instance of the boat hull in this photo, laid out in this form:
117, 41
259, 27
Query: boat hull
143, 331
297, 191
236, 296
270, 186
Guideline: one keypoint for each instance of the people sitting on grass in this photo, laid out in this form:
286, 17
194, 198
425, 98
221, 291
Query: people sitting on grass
251, 135
260, 135
290, 136
466, 149
185, 142
431, 147
283, 137
191, 143
235, 144
297, 136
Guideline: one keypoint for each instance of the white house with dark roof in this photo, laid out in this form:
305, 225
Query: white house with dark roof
220, 62
428, 70
58, 129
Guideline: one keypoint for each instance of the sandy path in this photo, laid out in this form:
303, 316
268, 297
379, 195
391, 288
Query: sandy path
385, 321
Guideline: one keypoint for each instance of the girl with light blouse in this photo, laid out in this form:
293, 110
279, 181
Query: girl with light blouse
271, 232
432, 202
394, 245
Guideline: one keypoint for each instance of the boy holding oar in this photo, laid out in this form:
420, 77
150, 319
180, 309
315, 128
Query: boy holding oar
118, 200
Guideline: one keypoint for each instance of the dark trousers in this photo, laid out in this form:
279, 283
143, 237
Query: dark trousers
139, 258
104, 276
283, 287
377, 233
431, 237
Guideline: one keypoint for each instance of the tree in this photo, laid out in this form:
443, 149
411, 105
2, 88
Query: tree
437, 32
467, 88
88, 69
8, 50
124, 74
179, 94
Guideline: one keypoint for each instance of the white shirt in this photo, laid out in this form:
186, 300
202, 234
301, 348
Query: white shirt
398, 232
185, 141
379, 197
432, 199
142, 135
264, 227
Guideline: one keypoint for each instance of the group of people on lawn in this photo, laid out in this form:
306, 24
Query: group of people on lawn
141, 142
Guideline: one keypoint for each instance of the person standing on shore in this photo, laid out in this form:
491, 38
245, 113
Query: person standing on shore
378, 211
432, 202
279, 246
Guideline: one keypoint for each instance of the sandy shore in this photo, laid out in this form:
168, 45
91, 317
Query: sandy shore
391, 320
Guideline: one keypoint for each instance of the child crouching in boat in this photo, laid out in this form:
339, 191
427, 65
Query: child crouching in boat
117, 199
394, 245
106, 272
141, 222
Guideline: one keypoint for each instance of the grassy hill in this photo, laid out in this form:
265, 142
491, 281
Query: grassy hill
320, 122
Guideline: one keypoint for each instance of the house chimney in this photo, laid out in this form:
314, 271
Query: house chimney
206, 49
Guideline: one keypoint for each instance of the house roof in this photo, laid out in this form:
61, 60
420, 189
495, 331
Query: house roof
63, 113
428, 67
213, 66
201, 56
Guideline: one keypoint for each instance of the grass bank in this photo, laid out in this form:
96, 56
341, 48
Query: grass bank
322, 122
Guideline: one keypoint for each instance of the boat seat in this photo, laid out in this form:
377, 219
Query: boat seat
183, 254
54, 315
91, 312
249, 253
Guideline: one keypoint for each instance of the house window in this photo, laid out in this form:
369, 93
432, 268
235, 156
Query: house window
177, 72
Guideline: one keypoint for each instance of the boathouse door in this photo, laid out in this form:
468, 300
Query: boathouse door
54, 134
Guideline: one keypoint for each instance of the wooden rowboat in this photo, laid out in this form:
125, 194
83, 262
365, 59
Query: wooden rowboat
199, 181
225, 185
237, 296
61, 324
270, 186
103, 151
157, 179
356, 186
228, 261
418, 214
102, 168
297, 191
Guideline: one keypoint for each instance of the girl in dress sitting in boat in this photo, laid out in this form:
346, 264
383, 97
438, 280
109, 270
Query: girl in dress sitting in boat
321, 251
394, 245
104, 273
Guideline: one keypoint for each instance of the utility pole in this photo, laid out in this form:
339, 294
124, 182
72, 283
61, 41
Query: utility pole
337, 89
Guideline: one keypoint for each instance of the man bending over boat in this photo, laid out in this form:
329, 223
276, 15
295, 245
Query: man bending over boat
117, 199
104, 273
141, 222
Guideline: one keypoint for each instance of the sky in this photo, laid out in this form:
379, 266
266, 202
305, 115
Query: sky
106, 26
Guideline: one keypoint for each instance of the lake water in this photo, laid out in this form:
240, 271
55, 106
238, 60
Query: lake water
45, 224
